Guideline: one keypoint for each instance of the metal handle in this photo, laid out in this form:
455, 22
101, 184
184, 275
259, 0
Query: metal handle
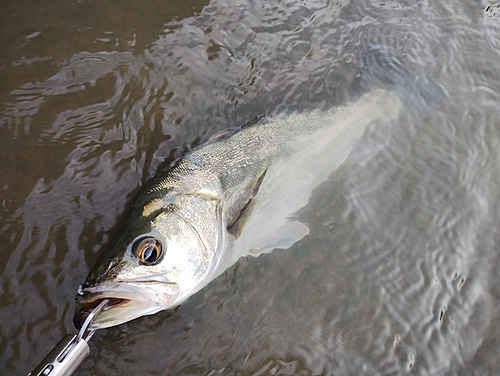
70, 352
64, 358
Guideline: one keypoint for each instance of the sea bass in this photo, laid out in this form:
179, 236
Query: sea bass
232, 197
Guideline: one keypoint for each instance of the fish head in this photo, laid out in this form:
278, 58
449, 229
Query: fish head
165, 252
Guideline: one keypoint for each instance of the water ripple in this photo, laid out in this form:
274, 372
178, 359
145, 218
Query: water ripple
399, 273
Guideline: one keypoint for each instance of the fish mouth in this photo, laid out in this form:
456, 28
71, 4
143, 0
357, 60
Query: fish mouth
88, 307
127, 300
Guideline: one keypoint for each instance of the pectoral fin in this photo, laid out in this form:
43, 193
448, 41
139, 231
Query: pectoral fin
236, 227
282, 237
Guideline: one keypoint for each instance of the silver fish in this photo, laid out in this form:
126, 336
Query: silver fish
234, 196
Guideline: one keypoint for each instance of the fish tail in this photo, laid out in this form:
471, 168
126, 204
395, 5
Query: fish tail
379, 66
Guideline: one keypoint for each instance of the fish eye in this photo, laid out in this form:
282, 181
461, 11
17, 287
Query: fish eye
148, 251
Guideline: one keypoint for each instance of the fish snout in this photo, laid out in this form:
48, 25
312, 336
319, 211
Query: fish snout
82, 296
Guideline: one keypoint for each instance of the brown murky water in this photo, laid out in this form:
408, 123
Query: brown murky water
400, 271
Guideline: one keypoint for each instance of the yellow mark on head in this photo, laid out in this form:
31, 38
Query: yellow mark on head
153, 206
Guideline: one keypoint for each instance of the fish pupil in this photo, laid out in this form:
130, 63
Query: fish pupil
148, 250
150, 254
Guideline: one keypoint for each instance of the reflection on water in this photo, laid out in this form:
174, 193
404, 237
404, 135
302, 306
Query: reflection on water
400, 271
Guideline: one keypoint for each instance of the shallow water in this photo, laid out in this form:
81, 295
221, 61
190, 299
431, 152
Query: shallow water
400, 271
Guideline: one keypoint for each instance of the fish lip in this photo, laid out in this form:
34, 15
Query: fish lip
118, 292
91, 304
147, 296
152, 278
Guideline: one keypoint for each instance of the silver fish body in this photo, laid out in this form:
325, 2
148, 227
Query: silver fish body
235, 196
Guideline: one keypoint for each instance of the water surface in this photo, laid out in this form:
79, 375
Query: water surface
399, 274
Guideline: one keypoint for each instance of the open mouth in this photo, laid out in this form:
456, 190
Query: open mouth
112, 302
88, 307
125, 300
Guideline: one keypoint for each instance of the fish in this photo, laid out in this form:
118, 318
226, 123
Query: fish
234, 196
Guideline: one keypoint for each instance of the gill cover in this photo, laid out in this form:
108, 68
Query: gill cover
191, 233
